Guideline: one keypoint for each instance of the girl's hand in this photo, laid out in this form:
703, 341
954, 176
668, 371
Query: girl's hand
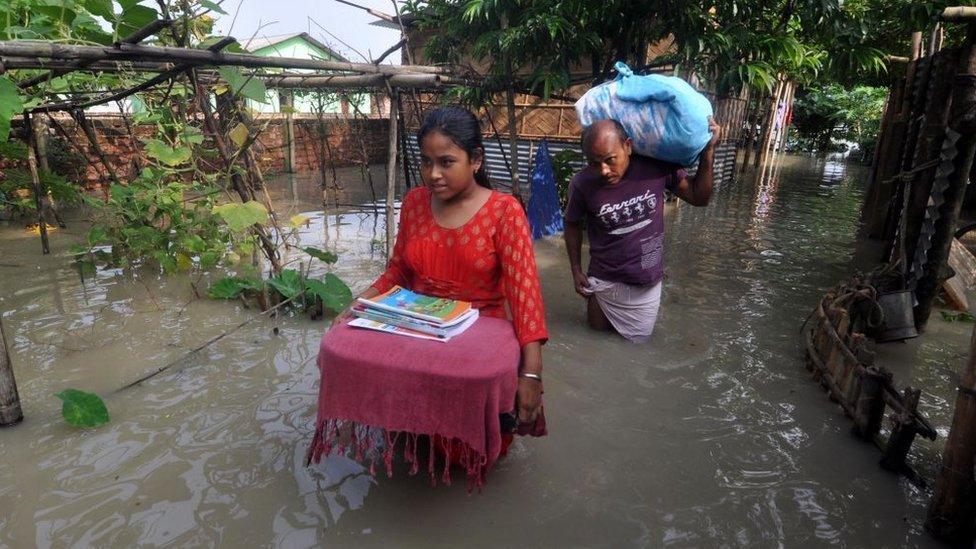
528, 400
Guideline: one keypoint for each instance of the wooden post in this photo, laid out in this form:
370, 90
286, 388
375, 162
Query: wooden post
391, 164
38, 133
953, 506
86, 126
903, 434
869, 407
961, 130
770, 120
513, 142
10, 410
38, 200
288, 105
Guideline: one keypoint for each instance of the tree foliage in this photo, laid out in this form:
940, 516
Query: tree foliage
730, 43
823, 114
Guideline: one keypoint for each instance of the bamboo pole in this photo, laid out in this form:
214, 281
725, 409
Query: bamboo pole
288, 105
10, 410
132, 52
769, 125
953, 506
513, 142
962, 129
38, 200
391, 174
958, 14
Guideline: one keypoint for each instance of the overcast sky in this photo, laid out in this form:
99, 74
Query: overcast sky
346, 23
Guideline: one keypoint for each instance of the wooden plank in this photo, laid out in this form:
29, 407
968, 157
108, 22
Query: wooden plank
958, 288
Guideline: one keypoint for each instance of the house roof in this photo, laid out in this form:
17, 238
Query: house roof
262, 42
390, 22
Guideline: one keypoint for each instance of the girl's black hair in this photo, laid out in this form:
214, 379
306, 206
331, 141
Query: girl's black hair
460, 126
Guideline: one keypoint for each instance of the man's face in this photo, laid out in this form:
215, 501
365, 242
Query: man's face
608, 156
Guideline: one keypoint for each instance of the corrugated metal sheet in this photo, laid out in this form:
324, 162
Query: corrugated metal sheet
498, 161
497, 158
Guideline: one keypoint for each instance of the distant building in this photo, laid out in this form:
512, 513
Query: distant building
301, 45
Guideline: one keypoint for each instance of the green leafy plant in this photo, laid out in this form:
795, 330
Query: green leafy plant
81, 409
958, 317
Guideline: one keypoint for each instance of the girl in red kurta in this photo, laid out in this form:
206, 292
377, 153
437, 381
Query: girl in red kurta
459, 239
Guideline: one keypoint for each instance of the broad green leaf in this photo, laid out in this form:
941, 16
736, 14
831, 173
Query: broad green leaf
133, 18
192, 134
239, 134
96, 235
183, 262
102, 8
194, 243
333, 292
241, 216
11, 104
166, 154
288, 283
325, 256
213, 6
81, 409
298, 220
231, 287
251, 88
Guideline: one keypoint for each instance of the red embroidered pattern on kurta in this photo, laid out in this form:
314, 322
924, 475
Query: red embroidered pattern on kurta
489, 260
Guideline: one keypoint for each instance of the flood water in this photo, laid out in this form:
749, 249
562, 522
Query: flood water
711, 434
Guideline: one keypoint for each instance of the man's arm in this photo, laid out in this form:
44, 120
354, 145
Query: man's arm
697, 192
573, 235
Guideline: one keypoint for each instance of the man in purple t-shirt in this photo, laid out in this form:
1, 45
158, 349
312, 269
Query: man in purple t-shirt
621, 197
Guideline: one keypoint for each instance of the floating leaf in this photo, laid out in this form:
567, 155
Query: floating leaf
333, 292
11, 104
251, 88
231, 287
298, 220
325, 256
239, 134
81, 409
241, 216
166, 154
288, 283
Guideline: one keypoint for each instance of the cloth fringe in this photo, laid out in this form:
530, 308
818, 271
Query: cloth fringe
377, 445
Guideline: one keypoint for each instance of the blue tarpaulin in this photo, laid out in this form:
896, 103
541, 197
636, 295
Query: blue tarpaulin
545, 215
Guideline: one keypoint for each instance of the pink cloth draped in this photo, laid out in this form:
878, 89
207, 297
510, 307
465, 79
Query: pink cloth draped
386, 390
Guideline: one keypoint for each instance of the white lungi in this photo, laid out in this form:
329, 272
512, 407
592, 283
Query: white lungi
631, 310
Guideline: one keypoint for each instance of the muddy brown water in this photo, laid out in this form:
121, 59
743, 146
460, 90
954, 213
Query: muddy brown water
710, 435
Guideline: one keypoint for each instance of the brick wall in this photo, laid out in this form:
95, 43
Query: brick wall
350, 141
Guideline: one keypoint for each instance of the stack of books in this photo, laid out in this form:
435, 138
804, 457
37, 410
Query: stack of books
403, 312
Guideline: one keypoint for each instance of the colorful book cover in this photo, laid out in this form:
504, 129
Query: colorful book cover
444, 312
391, 329
415, 324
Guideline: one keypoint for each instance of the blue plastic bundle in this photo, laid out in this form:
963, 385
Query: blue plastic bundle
664, 116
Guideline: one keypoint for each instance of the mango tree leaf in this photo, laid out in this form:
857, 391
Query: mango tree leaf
251, 88
325, 256
231, 287
241, 216
81, 409
288, 283
11, 104
166, 154
239, 134
333, 292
